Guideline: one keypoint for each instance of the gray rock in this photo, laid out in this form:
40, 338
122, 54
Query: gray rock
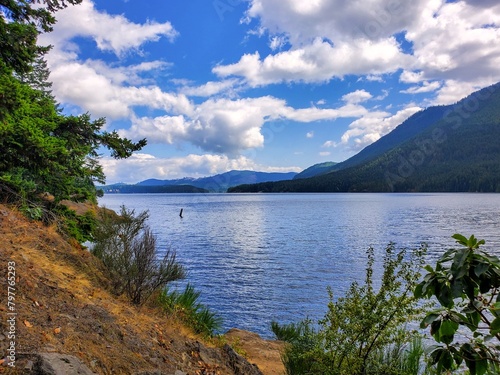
29, 366
239, 364
60, 364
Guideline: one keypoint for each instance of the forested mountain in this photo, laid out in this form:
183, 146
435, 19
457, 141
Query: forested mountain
145, 189
447, 148
411, 127
316, 169
218, 183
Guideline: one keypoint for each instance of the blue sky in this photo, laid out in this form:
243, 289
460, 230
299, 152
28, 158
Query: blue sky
267, 85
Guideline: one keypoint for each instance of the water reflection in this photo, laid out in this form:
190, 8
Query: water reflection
262, 257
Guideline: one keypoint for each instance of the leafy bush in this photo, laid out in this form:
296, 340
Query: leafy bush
304, 341
466, 283
79, 227
185, 304
363, 327
127, 248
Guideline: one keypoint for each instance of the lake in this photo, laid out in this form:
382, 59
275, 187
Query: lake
262, 257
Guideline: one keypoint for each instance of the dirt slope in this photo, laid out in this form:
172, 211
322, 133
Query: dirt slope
62, 306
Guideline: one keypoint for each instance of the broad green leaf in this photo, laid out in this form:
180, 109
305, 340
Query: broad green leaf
429, 319
435, 325
418, 291
460, 239
458, 267
447, 331
429, 268
481, 268
481, 366
469, 287
444, 296
436, 354
495, 326
474, 318
448, 327
457, 289
446, 339
447, 256
445, 361
485, 285
458, 318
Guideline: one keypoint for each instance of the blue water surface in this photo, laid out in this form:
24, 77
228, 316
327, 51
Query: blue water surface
262, 257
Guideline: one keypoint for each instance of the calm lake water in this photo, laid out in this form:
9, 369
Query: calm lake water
263, 257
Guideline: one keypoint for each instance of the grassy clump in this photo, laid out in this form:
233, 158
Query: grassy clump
193, 313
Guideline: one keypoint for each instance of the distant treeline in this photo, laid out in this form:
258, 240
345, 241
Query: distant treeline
452, 148
140, 189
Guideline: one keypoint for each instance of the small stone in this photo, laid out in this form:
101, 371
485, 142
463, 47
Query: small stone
29, 366
93, 364
61, 364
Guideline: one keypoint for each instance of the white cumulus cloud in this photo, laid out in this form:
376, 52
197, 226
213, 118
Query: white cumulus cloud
319, 61
430, 40
357, 96
372, 127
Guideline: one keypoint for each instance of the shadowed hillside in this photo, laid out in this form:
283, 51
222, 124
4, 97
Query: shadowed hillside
442, 149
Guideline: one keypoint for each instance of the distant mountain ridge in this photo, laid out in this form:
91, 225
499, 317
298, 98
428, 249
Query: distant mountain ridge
443, 148
218, 183
316, 169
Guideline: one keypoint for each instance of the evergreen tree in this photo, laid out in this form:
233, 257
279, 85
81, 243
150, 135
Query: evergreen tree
38, 76
20, 24
43, 150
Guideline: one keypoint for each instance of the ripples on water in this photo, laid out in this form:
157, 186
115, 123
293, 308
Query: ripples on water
263, 257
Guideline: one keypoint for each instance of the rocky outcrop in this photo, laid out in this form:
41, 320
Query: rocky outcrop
239, 364
265, 353
59, 364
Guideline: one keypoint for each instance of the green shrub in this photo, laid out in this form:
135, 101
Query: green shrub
196, 315
127, 248
466, 283
362, 327
304, 346
292, 331
79, 227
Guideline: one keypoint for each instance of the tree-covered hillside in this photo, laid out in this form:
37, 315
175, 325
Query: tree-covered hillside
459, 151
316, 169
46, 156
